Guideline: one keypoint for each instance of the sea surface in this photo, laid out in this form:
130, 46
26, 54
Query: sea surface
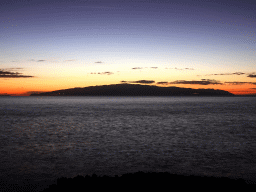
52, 137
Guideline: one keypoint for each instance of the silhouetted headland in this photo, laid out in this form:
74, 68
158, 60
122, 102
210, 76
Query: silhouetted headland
134, 90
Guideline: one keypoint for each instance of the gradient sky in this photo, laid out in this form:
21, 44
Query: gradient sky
47, 45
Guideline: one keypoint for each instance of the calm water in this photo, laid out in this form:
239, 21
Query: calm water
51, 137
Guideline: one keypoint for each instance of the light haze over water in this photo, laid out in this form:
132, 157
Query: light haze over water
52, 137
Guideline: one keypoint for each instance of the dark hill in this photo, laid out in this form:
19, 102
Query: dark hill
134, 90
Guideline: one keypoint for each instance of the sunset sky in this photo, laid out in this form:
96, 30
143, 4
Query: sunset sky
47, 45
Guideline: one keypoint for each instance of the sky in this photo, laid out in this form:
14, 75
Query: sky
48, 45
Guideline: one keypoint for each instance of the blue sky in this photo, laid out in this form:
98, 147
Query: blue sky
58, 39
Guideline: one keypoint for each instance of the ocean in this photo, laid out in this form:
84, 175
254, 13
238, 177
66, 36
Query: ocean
52, 137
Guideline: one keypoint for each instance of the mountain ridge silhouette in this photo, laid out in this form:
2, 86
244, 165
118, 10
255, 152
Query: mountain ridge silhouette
134, 90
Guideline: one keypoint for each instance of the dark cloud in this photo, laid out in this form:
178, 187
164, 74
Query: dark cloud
236, 83
236, 73
107, 73
202, 82
163, 83
180, 69
144, 67
140, 81
240, 83
252, 88
144, 81
103, 73
252, 76
137, 68
10, 69
41, 60
98, 62
9, 74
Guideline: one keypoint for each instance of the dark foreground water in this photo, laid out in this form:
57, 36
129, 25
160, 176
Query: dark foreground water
51, 137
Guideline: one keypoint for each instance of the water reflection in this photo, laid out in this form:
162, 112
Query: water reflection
74, 135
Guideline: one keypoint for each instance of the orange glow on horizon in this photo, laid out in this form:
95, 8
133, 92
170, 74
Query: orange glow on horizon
242, 91
232, 89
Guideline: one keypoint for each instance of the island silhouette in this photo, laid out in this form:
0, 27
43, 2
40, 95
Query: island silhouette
134, 90
4, 95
